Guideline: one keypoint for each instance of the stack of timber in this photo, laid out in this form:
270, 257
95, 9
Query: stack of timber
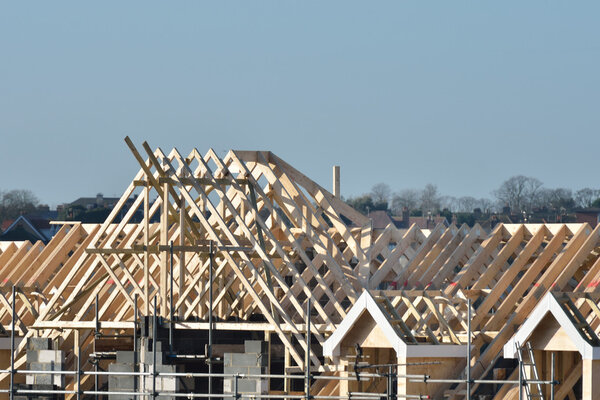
278, 240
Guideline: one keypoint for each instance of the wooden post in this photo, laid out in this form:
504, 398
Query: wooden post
286, 365
77, 352
304, 218
268, 341
336, 181
591, 380
146, 253
164, 232
402, 389
12, 346
180, 312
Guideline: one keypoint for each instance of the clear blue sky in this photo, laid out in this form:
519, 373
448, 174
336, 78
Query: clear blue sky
459, 94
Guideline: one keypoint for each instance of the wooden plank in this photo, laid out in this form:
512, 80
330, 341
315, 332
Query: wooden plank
508, 277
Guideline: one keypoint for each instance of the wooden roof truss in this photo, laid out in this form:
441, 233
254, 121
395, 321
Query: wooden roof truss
279, 240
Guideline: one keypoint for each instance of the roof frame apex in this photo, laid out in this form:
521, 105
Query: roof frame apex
366, 303
550, 305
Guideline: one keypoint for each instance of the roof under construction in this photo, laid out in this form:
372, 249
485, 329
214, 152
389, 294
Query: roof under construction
274, 241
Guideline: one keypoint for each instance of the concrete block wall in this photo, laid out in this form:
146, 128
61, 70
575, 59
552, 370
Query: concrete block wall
121, 383
253, 361
125, 363
163, 384
41, 357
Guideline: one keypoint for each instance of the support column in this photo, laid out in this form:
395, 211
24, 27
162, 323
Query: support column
286, 365
182, 230
164, 237
336, 181
268, 354
402, 371
146, 253
77, 354
591, 380
344, 386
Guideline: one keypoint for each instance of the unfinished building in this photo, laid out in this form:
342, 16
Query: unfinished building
208, 282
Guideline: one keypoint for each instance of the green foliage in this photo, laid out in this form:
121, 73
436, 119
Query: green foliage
447, 214
465, 218
365, 204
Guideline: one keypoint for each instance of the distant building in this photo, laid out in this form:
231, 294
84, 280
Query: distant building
428, 222
99, 201
381, 219
590, 215
96, 209
28, 228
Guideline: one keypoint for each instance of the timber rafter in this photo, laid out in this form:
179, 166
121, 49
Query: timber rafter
280, 240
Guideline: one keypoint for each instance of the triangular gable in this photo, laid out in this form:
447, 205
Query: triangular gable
34, 231
549, 305
365, 303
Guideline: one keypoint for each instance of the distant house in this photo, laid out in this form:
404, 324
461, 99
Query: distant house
89, 209
381, 219
99, 201
494, 220
97, 209
428, 222
590, 215
28, 228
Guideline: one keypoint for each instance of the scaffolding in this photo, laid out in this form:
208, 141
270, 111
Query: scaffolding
246, 243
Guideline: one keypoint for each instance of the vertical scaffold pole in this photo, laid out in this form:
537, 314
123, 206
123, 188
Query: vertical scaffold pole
135, 340
520, 380
307, 362
236, 395
171, 299
96, 335
552, 377
12, 347
469, 349
78, 372
154, 343
210, 316
389, 383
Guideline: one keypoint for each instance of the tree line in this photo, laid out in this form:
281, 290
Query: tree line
17, 202
517, 195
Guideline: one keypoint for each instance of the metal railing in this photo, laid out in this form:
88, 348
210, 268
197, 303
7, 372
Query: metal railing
391, 376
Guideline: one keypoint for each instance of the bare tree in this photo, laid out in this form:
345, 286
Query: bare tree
430, 198
556, 199
381, 193
467, 204
586, 196
408, 198
17, 202
520, 193
449, 202
486, 205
